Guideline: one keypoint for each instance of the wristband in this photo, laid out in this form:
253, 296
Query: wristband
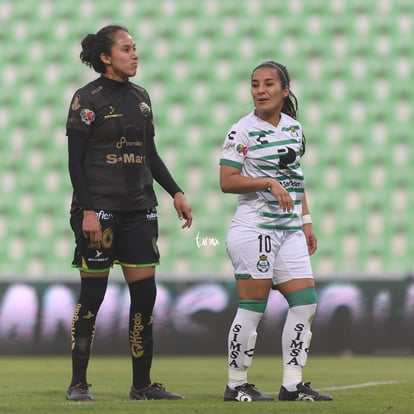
307, 219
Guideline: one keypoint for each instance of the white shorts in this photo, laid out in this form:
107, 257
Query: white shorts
268, 254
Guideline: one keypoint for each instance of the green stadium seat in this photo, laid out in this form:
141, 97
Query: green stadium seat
351, 65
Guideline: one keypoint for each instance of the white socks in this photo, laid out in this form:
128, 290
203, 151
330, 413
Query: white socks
296, 338
241, 345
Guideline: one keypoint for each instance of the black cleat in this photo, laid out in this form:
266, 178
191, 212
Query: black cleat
154, 391
245, 393
79, 392
304, 393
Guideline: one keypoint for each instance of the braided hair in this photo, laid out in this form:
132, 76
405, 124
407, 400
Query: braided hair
290, 103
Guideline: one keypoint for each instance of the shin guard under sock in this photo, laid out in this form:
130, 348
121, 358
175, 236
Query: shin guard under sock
242, 340
143, 294
91, 295
297, 335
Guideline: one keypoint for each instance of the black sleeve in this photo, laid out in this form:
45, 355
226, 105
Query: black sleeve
76, 148
160, 171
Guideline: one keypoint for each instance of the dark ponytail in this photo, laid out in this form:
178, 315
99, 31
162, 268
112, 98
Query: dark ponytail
95, 44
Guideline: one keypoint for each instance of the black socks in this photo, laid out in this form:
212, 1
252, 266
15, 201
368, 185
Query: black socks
92, 293
143, 294
91, 296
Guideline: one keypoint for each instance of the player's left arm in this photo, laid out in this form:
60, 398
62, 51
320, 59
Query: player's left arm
311, 239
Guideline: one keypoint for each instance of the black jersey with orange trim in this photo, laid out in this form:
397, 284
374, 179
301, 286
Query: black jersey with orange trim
116, 120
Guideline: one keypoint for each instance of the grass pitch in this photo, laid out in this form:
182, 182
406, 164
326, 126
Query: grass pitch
359, 385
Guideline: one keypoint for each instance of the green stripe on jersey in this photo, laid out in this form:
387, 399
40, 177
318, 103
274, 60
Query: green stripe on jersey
274, 215
231, 163
266, 167
274, 157
290, 177
276, 227
276, 203
258, 133
273, 144
291, 128
295, 190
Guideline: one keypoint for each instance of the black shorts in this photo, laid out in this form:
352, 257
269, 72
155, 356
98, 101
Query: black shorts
128, 238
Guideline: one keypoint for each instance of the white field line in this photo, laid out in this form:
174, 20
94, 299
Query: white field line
365, 384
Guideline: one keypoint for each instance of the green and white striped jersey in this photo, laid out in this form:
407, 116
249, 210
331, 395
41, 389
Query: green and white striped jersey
260, 149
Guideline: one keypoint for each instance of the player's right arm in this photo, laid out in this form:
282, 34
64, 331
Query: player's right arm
232, 181
78, 128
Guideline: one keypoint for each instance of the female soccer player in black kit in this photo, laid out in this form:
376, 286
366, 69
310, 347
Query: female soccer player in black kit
112, 164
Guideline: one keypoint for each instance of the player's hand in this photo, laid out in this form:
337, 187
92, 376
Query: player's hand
183, 210
311, 239
282, 196
91, 227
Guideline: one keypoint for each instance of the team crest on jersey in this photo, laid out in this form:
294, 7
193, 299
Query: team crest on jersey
145, 109
87, 116
241, 149
293, 129
263, 264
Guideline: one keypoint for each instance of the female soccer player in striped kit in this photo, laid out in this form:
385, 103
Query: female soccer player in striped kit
270, 239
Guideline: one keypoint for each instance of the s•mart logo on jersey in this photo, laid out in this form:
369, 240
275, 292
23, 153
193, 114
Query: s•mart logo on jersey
125, 159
